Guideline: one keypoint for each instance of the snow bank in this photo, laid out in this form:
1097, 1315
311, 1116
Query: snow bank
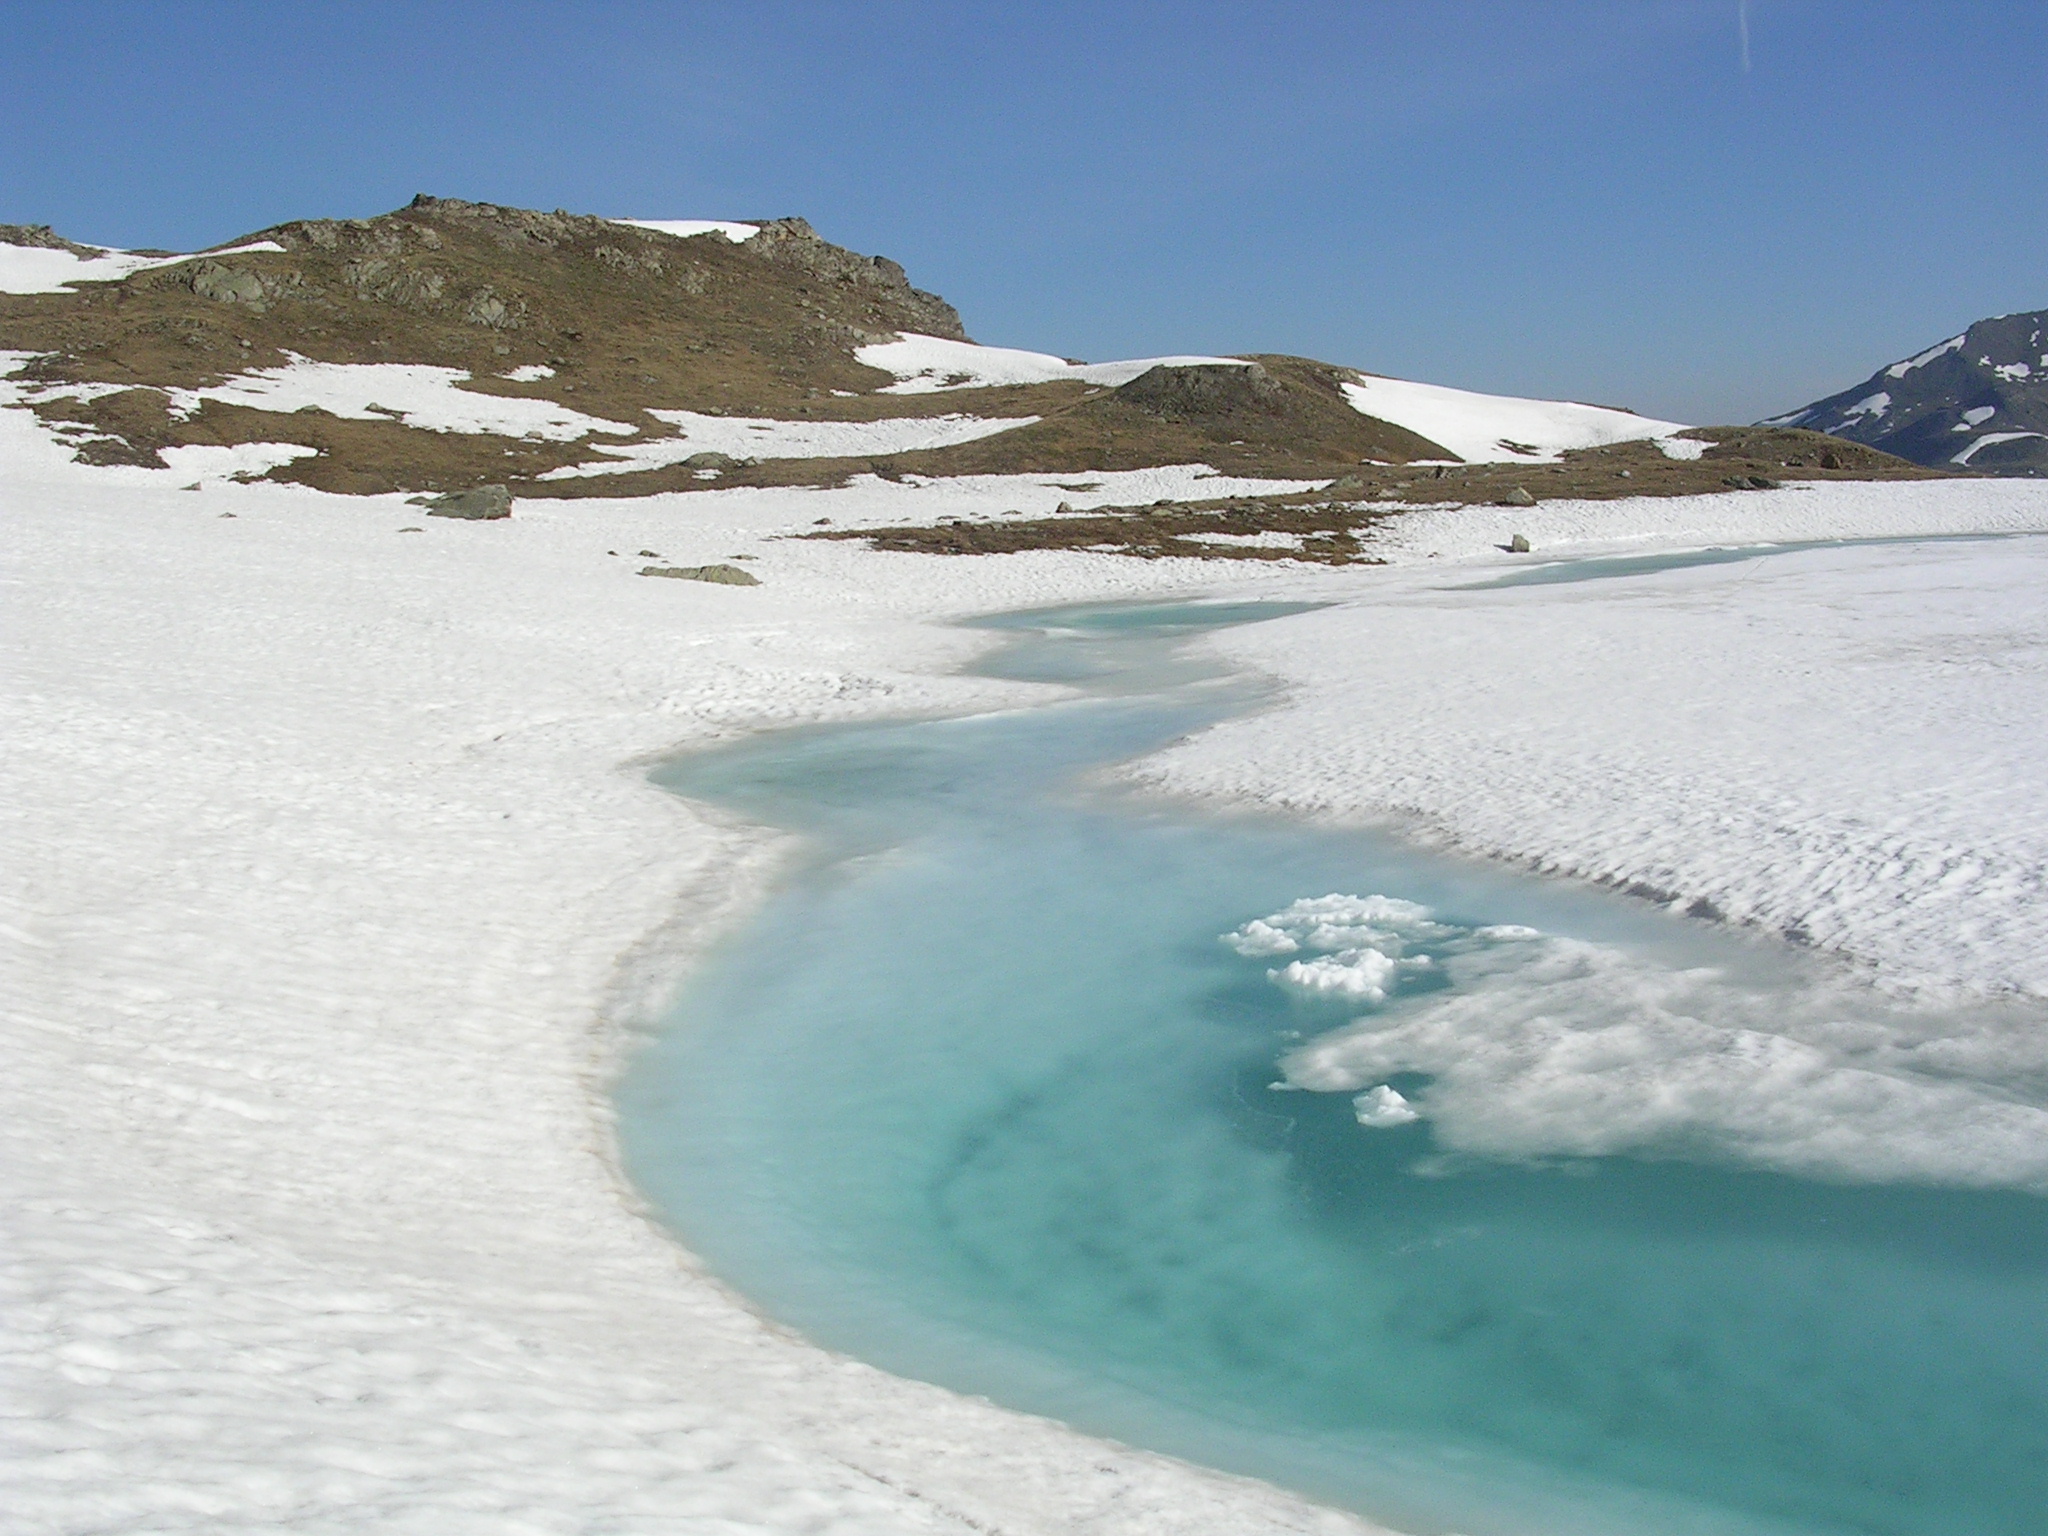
33, 269
417, 394
925, 364
685, 228
1837, 744
1795, 513
1498, 428
763, 437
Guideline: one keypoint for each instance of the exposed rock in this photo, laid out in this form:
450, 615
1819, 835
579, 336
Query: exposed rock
1201, 391
723, 575
1517, 496
710, 459
1519, 544
792, 242
226, 285
43, 238
482, 503
1749, 482
486, 308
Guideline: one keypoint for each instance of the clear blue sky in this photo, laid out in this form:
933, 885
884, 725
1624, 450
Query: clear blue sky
1589, 200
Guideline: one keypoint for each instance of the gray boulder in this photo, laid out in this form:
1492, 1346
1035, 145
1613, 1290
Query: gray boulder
723, 575
1518, 497
482, 503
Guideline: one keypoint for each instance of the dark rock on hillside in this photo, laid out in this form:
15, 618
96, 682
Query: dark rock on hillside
1204, 391
485, 503
41, 237
1977, 401
718, 575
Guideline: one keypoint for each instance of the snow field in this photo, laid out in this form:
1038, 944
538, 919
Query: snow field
327, 900
1485, 429
1832, 743
764, 437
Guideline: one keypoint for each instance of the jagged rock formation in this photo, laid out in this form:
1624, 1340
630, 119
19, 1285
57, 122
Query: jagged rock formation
1978, 401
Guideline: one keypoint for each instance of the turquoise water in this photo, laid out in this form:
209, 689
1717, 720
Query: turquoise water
1557, 572
979, 1097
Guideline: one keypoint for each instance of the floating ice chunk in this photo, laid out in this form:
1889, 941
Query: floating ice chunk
1558, 1047
1355, 976
1382, 1107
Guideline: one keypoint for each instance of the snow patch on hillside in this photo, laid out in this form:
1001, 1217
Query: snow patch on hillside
416, 394
763, 437
1990, 439
926, 364
686, 228
34, 269
1900, 370
1498, 428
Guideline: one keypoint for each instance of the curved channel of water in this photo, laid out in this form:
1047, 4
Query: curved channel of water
978, 1096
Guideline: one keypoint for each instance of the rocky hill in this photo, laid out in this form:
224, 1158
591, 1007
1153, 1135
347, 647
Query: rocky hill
449, 345
1977, 401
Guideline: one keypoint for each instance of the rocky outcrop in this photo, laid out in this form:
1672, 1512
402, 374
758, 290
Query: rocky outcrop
1204, 391
483, 503
793, 243
719, 575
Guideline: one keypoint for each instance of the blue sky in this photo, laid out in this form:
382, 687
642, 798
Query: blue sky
1590, 200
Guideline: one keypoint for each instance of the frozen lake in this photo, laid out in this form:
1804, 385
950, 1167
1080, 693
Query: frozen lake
981, 1097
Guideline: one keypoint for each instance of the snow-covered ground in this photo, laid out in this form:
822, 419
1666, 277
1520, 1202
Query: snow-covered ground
333, 888
767, 437
1484, 429
1835, 743
37, 269
417, 394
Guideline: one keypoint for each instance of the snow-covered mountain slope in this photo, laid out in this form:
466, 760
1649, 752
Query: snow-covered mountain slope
1977, 401
1499, 428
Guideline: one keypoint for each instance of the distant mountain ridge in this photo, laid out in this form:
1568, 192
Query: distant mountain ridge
1977, 401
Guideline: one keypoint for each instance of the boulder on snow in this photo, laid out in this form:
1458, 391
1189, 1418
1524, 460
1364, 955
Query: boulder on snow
724, 575
711, 460
1517, 497
1519, 544
479, 504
